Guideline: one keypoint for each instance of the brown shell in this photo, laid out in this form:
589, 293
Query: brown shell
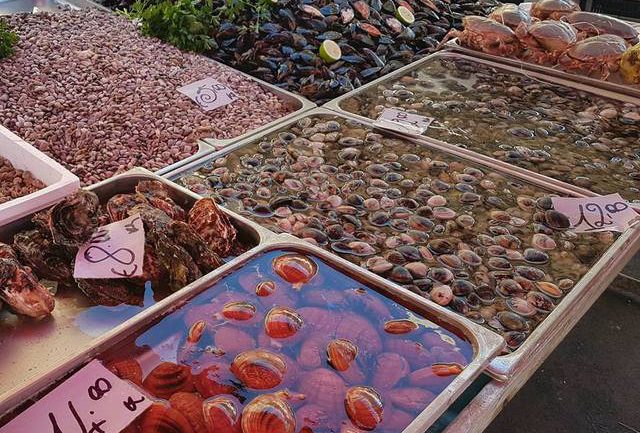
110, 292
22, 292
119, 205
184, 235
190, 405
265, 288
7, 252
173, 259
37, 250
158, 195
210, 222
214, 380
296, 269
127, 369
164, 419
238, 310
364, 407
282, 322
259, 369
401, 326
222, 415
167, 379
447, 369
73, 220
268, 413
341, 353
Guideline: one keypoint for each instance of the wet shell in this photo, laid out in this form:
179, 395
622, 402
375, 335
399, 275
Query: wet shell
167, 379
232, 341
543, 241
282, 322
222, 415
214, 380
196, 330
190, 405
521, 307
401, 326
268, 413
514, 339
213, 225
164, 419
441, 294
556, 220
73, 220
265, 288
543, 303
259, 369
238, 311
364, 407
447, 369
390, 369
127, 369
295, 268
323, 387
549, 289
512, 321
341, 353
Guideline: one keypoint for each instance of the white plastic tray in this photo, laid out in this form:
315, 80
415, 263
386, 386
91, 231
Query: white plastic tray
59, 181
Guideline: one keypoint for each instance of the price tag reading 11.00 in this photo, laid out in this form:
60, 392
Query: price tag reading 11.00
93, 400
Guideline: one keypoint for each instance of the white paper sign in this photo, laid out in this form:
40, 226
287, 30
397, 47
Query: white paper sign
401, 121
209, 93
593, 214
114, 251
94, 400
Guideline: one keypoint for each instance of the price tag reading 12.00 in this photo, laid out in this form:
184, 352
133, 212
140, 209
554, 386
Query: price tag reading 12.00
401, 121
93, 400
594, 214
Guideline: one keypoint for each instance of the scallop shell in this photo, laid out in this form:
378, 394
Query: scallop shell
268, 413
341, 353
167, 379
190, 405
222, 415
282, 322
214, 380
164, 419
265, 288
195, 331
364, 407
240, 310
401, 326
259, 369
127, 369
295, 268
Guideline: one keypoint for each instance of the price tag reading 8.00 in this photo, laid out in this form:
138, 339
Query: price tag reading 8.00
593, 214
93, 400
402, 121
209, 93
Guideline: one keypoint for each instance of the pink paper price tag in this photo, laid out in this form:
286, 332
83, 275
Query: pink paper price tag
401, 121
593, 214
114, 251
93, 400
209, 93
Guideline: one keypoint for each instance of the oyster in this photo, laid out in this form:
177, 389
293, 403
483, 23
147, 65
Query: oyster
364, 407
73, 220
184, 235
22, 292
259, 369
167, 379
119, 206
157, 194
174, 260
210, 222
49, 261
110, 292
268, 413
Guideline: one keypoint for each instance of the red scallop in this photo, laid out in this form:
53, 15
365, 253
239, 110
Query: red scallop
196, 330
341, 353
164, 419
167, 379
214, 380
364, 407
239, 310
259, 369
127, 369
282, 322
190, 405
401, 326
312, 351
232, 340
265, 288
295, 268
323, 387
222, 414
268, 413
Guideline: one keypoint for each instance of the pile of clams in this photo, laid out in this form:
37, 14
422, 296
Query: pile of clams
288, 344
180, 246
487, 246
561, 132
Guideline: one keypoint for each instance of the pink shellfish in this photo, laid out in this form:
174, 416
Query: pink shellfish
259, 369
364, 407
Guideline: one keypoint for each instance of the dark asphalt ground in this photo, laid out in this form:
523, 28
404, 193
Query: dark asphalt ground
591, 382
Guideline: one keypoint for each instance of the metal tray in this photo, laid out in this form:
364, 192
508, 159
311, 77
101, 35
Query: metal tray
614, 84
485, 343
32, 349
550, 332
478, 157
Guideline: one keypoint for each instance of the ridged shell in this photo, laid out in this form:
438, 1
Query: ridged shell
190, 405
364, 407
268, 413
295, 268
127, 369
265, 288
222, 415
195, 331
259, 369
341, 353
401, 326
167, 379
323, 387
282, 322
210, 222
240, 310
214, 380
164, 419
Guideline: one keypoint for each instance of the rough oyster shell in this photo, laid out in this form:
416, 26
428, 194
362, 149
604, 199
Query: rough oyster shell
158, 196
119, 206
110, 292
208, 220
22, 292
73, 220
49, 261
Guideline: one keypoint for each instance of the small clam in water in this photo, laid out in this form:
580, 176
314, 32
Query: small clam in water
295, 268
259, 369
221, 414
400, 326
282, 322
341, 353
268, 413
168, 378
364, 407
265, 288
240, 310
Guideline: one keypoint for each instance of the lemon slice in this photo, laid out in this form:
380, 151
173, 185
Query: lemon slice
404, 15
330, 51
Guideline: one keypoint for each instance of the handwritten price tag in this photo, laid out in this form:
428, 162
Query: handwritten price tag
93, 400
114, 251
209, 94
609, 212
401, 121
